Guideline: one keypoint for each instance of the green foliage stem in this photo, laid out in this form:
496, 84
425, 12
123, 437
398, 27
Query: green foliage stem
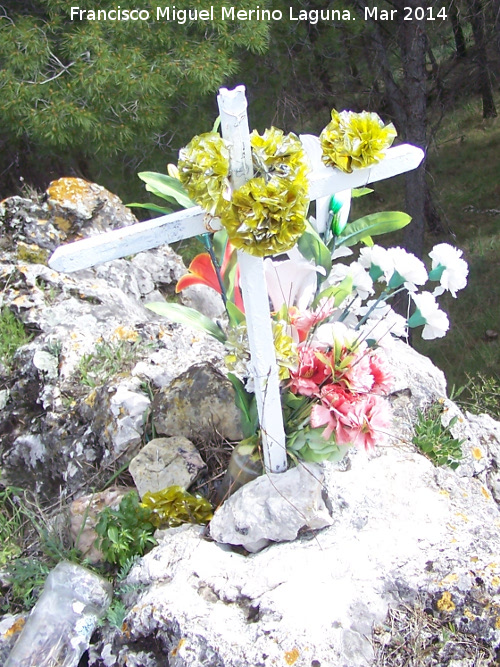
435, 440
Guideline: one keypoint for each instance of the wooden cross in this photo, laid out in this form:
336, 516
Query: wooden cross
323, 182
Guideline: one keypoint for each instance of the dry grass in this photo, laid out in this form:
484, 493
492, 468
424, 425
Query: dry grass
412, 636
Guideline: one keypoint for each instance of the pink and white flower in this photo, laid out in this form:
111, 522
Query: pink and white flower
353, 418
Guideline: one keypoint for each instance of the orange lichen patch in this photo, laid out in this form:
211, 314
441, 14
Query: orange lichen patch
163, 332
124, 333
125, 630
16, 627
62, 223
469, 614
292, 656
90, 400
445, 602
492, 566
485, 493
462, 516
477, 453
176, 650
444, 492
495, 582
474, 559
68, 189
449, 579
20, 300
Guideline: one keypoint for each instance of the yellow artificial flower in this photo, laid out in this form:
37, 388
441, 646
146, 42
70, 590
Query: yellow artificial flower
277, 154
285, 349
238, 353
204, 172
267, 217
355, 140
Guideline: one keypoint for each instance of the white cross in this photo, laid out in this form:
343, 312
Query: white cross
323, 182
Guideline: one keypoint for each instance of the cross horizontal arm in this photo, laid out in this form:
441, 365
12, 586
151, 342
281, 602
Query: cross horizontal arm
325, 181
133, 239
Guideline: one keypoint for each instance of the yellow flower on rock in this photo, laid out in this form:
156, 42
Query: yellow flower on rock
355, 140
204, 172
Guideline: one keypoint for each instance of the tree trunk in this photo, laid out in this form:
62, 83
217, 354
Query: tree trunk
413, 44
460, 47
407, 101
496, 22
476, 17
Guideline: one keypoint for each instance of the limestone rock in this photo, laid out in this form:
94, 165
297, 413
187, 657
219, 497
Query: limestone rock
272, 508
11, 626
59, 428
76, 203
166, 462
84, 517
197, 403
402, 531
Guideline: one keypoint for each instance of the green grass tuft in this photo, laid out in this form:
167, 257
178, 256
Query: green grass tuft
435, 440
12, 336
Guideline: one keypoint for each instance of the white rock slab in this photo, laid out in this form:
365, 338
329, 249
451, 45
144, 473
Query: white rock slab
272, 508
400, 526
166, 462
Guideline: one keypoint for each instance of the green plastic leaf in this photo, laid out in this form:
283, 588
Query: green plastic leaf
339, 292
247, 405
166, 187
360, 192
234, 313
312, 247
219, 240
152, 207
373, 225
189, 316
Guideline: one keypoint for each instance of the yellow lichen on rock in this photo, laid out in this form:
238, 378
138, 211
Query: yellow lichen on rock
449, 579
445, 602
477, 453
31, 253
68, 189
125, 333
485, 493
292, 656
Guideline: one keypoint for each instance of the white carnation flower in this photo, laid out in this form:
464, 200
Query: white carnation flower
361, 280
449, 268
410, 270
377, 260
428, 313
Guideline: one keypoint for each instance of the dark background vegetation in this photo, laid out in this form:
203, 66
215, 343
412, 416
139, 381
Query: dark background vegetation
103, 100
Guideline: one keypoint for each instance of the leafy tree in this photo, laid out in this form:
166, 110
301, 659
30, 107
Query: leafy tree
88, 92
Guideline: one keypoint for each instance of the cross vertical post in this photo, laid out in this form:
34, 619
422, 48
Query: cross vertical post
234, 124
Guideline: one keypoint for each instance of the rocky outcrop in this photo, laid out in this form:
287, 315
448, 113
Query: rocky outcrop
403, 534
399, 534
396, 533
76, 399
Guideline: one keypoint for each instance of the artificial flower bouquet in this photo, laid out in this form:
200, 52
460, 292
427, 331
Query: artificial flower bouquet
330, 320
